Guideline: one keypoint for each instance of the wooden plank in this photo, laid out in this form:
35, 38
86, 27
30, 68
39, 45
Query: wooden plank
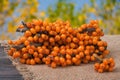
7, 70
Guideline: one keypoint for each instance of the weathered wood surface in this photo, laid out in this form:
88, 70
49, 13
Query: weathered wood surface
7, 70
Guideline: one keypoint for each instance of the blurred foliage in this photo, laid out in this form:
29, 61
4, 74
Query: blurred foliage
14, 11
65, 11
107, 12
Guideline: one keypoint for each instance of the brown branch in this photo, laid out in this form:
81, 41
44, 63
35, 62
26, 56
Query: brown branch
96, 56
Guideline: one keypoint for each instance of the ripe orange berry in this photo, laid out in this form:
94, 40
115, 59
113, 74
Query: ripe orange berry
23, 39
53, 65
10, 42
10, 52
37, 28
110, 69
75, 40
106, 52
62, 60
100, 43
88, 57
31, 51
81, 54
16, 54
92, 58
33, 31
100, 70
32, 62
26, 43
63, 36
68, 62
37, 60
78, 56
81, 48
51, 40
74, 59
78, 62
22, 60
27, 33
56, 59
101, 48
28, 61
97, 65
105, 61
35, 54
25, 56
87, 52
68, 56
30, 39
40, 55
57, 38
68, 39
102, 66
36, 38
62, 51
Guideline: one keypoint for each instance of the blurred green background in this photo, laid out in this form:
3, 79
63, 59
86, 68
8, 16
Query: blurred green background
78, 12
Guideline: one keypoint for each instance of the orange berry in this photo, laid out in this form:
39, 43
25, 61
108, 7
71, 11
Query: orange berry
10, 42
88, 57
97, 65
63, 36
101, 48
10, 52
25, 56
68, 62
51, 40
32, 62
30, 39
40, 55
87, 52
62, 60
81, 48
22, 61
16, 54
68, 39
93, 58
110, 69
37, 60
81, 54
100, 43
35, 54
106, 52
56, 59
36, 38
78, 62
68, 56
31, 51
53, 65
100, 70
27, 33
75, 40
33, 31
28, 61
78, 56
94, 33
26, 43
74, 59
37, 28
102, 66
105, 61
57, 38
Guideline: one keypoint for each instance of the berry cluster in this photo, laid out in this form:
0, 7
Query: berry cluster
105, 65
57, 43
